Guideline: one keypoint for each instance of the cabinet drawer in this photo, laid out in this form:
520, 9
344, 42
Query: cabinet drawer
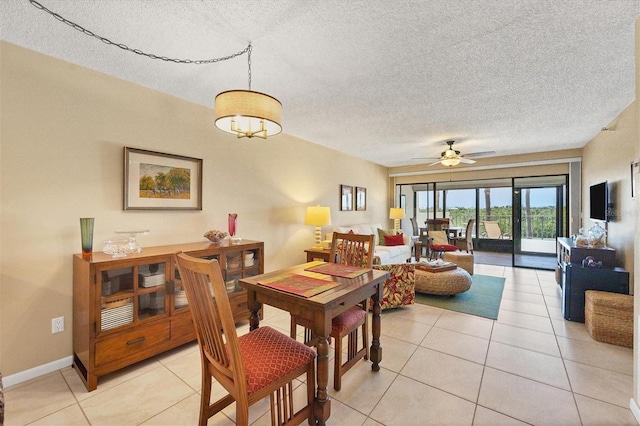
239, 305
182, 327
142, 337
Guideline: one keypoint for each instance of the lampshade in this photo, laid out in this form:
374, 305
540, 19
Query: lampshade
450, 161
396, 213
247, 113
317, 216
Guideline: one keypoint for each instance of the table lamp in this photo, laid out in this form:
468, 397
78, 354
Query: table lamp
396, 214
317, 216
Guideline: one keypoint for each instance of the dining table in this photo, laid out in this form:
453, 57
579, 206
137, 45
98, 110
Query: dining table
453, 232
318, 292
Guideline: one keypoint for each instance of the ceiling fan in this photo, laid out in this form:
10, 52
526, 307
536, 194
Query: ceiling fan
451, 157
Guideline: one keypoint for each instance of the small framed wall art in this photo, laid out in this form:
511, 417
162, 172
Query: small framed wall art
361, 198
346, 197
159, 181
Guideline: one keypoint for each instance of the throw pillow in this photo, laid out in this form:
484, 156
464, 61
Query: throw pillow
382, 233
393, 240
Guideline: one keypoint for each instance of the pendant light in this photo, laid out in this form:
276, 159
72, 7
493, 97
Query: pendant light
246, 113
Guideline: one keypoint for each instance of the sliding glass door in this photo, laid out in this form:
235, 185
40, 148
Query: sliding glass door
540, 216
517, 219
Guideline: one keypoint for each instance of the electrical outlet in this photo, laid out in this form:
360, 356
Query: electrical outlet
57, 325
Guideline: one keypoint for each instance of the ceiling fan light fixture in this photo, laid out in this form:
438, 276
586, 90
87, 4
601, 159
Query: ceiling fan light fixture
249, 114
449, 162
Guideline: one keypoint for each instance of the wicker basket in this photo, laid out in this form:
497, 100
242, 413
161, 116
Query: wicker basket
609, 317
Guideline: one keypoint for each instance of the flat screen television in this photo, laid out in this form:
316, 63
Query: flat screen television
599, 201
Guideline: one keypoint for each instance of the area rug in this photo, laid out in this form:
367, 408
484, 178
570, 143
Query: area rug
482, 299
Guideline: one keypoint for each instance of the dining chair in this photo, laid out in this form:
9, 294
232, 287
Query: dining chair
250, 367
466, 241
437, 224
353, 250
439, 243
416, 234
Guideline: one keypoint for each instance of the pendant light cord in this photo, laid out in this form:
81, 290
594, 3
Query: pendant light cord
140, 52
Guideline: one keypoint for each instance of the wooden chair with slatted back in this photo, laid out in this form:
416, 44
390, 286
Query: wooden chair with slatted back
353, 250
239, 363
437, 224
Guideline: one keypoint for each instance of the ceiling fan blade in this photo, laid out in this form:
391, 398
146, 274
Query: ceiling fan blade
466, 160
433, 164
480, 154
426, 158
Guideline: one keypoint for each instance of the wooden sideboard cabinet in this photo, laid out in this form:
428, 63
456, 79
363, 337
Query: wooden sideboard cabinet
568, 252
132, 308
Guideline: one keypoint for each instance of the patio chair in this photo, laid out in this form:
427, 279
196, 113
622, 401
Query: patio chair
492, 230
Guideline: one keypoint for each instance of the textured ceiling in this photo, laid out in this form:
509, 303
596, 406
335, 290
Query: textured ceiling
380, 80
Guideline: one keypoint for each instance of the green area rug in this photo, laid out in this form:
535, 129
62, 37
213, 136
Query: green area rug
482, 299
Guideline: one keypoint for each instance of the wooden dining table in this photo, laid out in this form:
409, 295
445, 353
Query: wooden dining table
319, 310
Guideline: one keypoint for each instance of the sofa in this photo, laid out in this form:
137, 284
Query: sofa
382, 255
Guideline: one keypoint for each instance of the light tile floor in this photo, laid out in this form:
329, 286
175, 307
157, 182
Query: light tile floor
439, 367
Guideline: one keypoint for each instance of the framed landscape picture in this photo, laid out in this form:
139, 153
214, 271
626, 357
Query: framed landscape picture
159, 181
346, 197
361, 198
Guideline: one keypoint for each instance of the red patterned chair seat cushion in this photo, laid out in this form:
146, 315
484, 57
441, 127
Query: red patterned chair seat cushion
399, 288
347, 319
263, 367
444, 247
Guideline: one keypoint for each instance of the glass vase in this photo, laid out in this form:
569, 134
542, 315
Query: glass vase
233, 221
86, 236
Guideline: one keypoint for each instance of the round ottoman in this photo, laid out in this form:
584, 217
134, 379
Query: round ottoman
447, 283
462, 259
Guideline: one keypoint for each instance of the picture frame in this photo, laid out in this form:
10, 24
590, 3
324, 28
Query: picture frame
634, 165
160, 181
361, 198
346, 197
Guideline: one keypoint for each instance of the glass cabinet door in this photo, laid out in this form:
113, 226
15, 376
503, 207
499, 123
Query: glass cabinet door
179, 296
130, 294
151, 290
117, 298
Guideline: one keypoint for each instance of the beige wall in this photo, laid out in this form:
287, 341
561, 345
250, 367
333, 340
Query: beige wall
62, 133
608, 157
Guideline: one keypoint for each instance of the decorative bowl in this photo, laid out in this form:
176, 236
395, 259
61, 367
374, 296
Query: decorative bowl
215, 236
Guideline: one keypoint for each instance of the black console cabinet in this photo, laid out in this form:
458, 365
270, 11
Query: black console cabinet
577, 279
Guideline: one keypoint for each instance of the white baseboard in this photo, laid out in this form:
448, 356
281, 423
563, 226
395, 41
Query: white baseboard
32, 373
635, 410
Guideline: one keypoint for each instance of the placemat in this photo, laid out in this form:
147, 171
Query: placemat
338, 270
307, 285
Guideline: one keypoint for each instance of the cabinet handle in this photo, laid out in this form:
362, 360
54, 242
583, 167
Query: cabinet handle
138, 340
